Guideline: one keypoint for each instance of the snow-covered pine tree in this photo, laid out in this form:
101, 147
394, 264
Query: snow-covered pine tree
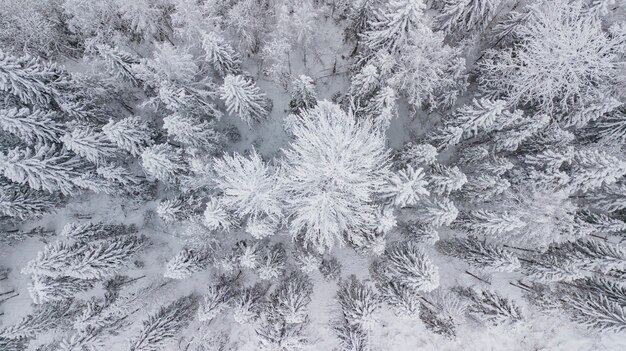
43, 169
119, 63
331, 184
33, 127
22, 202
479, 116
466, 16
163, 161
44, 289
591, 169
90, 144
303, 94
611, 289
85, 261
358, 302
516, 133
29, 79
291, 298
44, 317
408, 265
131, 134
186, 263
437, 212
417, 155
220, 54
214, 301
484, 188
490, 308
247, 304
490, 223
397, 25
597, 311
444, 180
351, 337
249, 186
480, 253
406, 187
365, 84
215, 216
92, 231
244, 98
610, 198
531, 71
159, 328
383, 106
189, 131
272, 264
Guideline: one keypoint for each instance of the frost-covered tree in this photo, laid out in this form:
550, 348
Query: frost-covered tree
490, 223
358, 302
44, 317
131, 134
85, 261
214, 301
400, 22
334, 168
163, 161
44, 289
272, 264
29, 79
533, 70
437, 212
186, 263
249, 186
480, 253
189, 131
159, 328
466, 16
43, 169
418, 154
592, 169
406, 187
597, 311
220, 54
215, 215
119, 63
491, 308
409, 266
480, 116
23, 202
303, 94
244, 98
90, 144
33, 127
444, 180
247, 304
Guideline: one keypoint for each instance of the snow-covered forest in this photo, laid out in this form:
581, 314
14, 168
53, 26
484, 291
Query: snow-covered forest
316, 175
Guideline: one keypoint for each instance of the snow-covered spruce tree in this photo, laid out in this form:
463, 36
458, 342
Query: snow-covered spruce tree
445, 180
610, 198
479, 116
186, 263
214, 301
22, 202
351, 337
163, 161
406, 187
159, 328
92, 261
358, 302
364, 84
33, 127
437, 212
490, 308
92, 231
417, 155
532, 71
244, 98
44, 317
43, 169
29, 79
611, 289
515, 134
397, 25
597, 254
404, 301
383, 106
480, 253
428, 72
421, 233
303, 94
291, 298
484, 188
131, 134
333, 169
44, 289
220, 54
408, 265
249, 186
466, 16
272, 264
592, 169
247, 304
215, 216
119, 63
191, 132
597, 311
490, 223
90, 144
